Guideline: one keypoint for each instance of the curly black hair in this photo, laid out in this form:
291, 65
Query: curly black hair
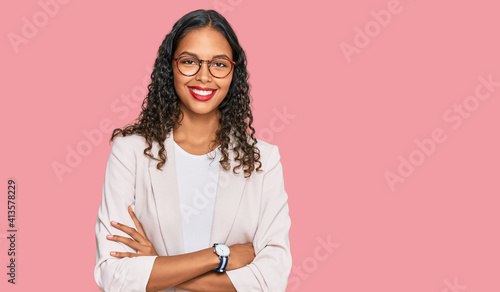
161, 112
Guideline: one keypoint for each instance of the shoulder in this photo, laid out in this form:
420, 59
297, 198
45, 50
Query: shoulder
265, 147
133, 140
128, 145
269, 154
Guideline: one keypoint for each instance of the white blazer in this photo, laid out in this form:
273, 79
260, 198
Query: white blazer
246, 210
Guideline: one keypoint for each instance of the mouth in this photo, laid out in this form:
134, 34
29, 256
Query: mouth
201, 93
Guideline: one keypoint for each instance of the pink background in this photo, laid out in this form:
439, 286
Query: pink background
352, 118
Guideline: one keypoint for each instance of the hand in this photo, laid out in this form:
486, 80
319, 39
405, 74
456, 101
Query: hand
140, 242
240, 256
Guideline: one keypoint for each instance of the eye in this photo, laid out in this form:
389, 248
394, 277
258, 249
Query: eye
221, 63
188, 61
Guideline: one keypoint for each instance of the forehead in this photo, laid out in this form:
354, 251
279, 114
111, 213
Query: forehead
205, 42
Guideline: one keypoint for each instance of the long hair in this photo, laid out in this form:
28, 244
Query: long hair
161, 112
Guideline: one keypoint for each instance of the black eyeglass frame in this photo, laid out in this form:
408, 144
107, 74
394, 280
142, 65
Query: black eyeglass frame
201, 63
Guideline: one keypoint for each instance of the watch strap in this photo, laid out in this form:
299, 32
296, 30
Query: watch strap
223, 264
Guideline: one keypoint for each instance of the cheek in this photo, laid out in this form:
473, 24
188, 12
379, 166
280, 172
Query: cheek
226, 84
225, 88
179, 83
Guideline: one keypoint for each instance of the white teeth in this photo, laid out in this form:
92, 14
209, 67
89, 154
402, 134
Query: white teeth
202, 92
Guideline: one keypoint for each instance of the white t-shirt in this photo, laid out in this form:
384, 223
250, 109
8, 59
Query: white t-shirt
197, 177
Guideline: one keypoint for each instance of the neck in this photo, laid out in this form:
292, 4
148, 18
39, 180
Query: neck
197, 129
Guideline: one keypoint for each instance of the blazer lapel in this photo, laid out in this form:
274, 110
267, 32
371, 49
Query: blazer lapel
227, 201
164, 183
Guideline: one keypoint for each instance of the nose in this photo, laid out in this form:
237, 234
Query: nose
204, 73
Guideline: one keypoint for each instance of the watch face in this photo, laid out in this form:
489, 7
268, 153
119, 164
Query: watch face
222, 250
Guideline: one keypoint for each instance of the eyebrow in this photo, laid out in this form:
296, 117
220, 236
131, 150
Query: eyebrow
195, 55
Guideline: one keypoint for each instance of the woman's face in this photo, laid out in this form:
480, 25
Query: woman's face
205, 44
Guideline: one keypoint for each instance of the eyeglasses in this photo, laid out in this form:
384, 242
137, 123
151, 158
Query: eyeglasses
190, 66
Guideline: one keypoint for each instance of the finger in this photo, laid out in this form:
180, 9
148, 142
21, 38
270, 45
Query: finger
138, 224
125, 240
129, 230
118, 254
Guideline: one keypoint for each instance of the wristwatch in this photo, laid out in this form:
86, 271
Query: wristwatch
223, 252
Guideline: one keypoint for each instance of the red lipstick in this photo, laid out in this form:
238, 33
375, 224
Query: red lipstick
199, 96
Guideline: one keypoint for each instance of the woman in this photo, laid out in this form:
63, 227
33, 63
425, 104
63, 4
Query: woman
191, 200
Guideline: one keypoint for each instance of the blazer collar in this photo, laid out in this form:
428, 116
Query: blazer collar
164, 184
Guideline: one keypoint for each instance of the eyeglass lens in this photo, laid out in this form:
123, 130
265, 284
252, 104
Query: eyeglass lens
190, 66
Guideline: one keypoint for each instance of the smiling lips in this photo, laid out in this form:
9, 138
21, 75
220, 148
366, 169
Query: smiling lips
201, 93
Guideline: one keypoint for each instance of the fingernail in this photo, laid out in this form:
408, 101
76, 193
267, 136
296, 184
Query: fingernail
114, 223
113, 253
109, 236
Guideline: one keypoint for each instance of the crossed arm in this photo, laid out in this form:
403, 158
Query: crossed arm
193, 271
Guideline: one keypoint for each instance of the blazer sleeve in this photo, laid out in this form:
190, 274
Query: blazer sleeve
110, 273
271, 267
